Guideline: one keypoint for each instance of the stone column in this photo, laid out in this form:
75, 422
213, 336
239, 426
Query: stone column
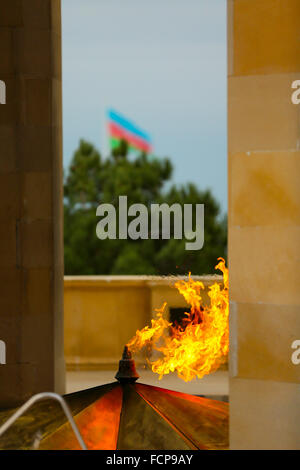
31, 216
264, 223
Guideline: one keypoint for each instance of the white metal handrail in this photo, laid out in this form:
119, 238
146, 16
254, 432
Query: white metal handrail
43, 396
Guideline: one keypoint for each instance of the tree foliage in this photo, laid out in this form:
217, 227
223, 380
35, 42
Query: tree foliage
92, 180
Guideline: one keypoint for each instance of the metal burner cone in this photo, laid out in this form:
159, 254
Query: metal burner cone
127, 372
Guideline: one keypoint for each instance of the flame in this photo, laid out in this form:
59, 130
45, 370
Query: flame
198, 346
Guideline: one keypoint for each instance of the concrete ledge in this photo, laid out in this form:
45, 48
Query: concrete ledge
93, 281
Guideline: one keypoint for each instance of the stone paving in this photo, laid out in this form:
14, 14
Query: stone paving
212, 386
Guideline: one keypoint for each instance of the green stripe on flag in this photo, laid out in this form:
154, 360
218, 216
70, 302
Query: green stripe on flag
115, 143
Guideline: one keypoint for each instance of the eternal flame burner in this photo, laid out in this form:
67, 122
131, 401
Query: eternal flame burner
127, 372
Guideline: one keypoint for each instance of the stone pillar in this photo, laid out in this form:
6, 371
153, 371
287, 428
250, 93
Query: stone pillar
264, 223
31, 216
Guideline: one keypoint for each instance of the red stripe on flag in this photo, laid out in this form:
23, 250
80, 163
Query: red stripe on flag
119, 133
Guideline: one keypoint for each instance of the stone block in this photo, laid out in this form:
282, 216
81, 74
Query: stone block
265, 188
261, 115
266, 36
11, 282
36, 244
33, 54
37, 195
263, 264
264, 415
35, 144
7, 150
56, 16
36, 14
38, 297
37, 102
263, 335
6, 51
8, 245
36, 339
18, 383
11, 13
9, 200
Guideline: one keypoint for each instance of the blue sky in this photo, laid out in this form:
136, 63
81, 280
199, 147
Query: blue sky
161, 63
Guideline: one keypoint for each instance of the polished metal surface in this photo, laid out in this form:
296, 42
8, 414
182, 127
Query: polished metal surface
122, 415
38, 397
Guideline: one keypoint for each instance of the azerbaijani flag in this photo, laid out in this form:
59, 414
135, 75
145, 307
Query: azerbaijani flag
120, 128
